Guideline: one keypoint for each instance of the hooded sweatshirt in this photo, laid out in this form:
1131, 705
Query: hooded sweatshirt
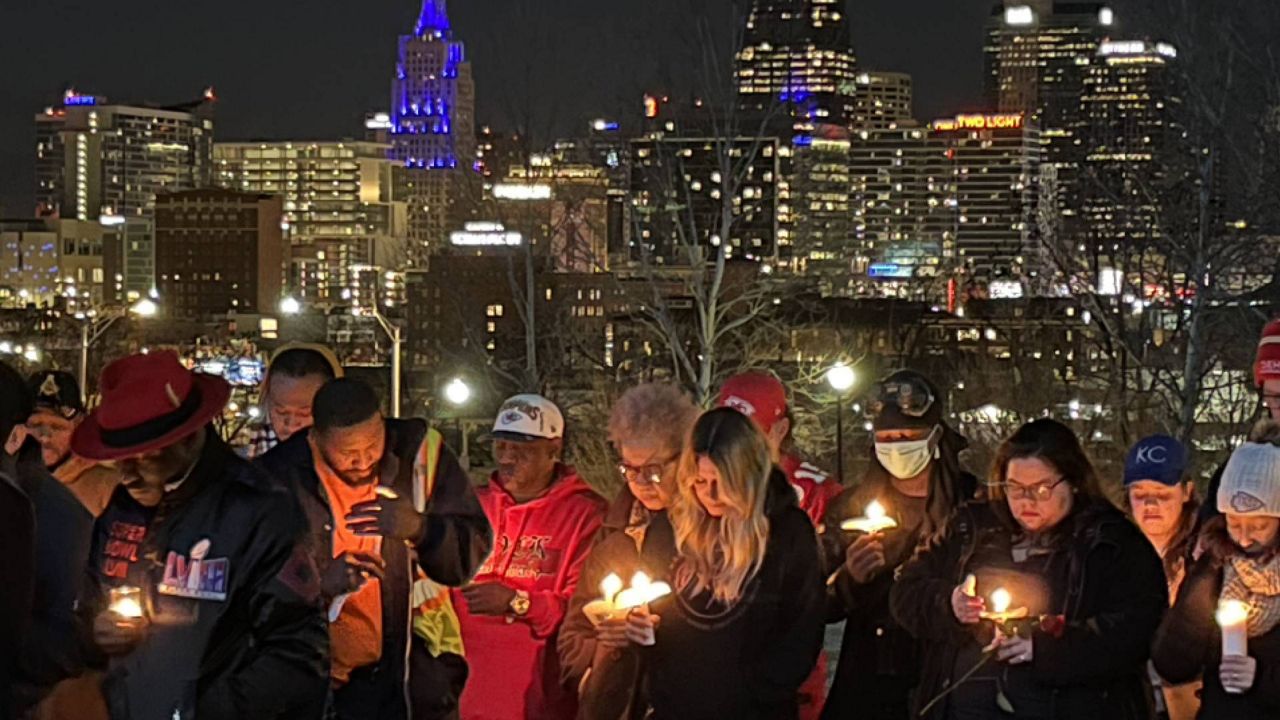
539, 547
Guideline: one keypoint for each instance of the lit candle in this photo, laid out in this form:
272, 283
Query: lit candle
610, 587
642, 592
385, 492
873, 521
1233, 616
1001, 599
126, 601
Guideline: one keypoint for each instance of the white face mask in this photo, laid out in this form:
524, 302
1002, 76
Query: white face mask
908, 458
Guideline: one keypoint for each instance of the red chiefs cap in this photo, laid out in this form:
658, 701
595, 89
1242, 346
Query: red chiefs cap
758, 395
1267, 365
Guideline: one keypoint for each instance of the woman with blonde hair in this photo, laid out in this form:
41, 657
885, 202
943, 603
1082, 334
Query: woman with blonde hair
743, 626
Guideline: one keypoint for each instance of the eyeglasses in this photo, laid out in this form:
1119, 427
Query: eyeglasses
1039, 492
912, 397
647, 474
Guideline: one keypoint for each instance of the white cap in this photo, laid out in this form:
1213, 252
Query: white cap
1251, 481
528, 417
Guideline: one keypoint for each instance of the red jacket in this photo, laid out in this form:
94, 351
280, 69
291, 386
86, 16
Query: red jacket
539, 547
814, 487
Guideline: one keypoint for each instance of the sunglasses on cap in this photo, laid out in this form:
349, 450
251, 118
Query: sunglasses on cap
912, 397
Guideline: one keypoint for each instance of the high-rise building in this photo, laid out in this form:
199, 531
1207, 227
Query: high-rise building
1037, 56
816, 202
881, 99
48, 261
678, 197
95, 158
219, 251
432, 127
797, 62
1134, 142
956, 198
338, 207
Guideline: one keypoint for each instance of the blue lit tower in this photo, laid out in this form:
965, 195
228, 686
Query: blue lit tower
433, 140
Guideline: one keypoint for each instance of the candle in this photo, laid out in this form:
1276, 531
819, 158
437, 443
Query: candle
126, 601
1232, 617
875, 520
1001, 599
610, 587
385, 492
642, 592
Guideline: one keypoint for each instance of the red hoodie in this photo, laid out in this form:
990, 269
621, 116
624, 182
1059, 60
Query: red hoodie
814, 487
539, 547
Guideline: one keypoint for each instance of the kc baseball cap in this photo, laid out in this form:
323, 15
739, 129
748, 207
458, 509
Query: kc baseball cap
1159, 458
528, 417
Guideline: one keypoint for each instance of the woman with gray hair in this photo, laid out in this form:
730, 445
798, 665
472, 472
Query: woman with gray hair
647, 428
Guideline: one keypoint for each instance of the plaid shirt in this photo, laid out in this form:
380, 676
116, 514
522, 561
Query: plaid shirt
261, 439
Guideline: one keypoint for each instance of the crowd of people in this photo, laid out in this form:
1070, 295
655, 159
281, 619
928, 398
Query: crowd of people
343, 566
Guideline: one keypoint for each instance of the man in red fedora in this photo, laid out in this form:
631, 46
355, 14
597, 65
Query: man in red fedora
206, 603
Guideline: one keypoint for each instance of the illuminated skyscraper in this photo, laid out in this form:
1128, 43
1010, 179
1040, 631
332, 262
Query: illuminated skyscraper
797, 54
882, 99
433, 136
1038, 53
1135, 143
96, 158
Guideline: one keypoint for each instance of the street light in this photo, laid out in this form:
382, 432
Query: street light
93, 328
841, 379
458, 392
393, 332
290, 305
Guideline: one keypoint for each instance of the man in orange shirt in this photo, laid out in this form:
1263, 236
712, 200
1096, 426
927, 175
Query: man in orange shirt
391, 517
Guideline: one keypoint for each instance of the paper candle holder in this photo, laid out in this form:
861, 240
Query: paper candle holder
126, 601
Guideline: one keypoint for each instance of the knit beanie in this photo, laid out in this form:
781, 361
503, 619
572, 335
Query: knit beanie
1251, 481
1267, 364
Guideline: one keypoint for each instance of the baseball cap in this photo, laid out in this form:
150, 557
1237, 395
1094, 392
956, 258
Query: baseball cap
528, 417
758, 395
1159, 458
56, 390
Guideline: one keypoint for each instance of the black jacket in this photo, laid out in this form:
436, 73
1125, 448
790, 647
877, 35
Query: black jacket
611, 687
749, 661
237, 630
17, 579
458, 536
1115, 597
64, 528
1189, 645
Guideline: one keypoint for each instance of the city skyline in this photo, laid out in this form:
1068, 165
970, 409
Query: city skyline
575, 81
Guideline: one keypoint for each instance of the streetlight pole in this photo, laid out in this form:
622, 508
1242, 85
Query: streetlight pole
841, 378
92, 329
458, 392
393, 332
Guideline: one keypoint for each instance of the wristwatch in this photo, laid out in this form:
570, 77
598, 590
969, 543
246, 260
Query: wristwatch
519, 605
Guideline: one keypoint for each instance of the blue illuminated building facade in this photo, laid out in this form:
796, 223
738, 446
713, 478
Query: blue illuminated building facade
432, 115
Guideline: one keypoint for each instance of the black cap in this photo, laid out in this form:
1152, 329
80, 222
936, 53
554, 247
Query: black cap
58, 391
905, 399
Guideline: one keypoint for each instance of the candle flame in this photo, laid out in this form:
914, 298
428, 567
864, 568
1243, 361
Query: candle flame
127, 607
875, 510
611, 586
1000, 600
1232, 612
640, 581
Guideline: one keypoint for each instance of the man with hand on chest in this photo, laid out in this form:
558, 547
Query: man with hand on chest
392, 520
204, 602
544, 518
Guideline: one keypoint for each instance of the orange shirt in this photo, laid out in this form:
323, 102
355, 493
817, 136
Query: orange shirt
355, 637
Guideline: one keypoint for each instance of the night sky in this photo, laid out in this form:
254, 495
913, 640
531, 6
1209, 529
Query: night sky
311, 69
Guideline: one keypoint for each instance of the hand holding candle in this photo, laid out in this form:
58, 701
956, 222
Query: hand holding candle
616, 601
965, 603
1233, 617
1000, 613
875, 520
126, 601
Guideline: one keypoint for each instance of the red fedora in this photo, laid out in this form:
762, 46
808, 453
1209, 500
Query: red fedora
148, 402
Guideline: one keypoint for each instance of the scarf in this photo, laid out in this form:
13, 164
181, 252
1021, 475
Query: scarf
1257, 583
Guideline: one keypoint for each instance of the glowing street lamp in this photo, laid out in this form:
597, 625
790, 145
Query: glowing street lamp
841, 378
457, 392
290, 306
